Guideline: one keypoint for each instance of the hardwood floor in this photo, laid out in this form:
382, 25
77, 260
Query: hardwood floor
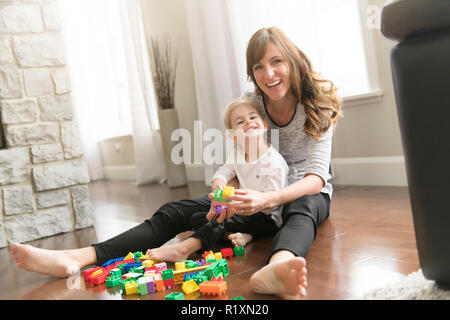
367, 242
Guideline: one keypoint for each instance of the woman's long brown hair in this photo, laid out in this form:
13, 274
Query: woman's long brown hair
317, 95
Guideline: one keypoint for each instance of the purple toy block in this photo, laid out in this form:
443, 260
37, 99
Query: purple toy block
150, 287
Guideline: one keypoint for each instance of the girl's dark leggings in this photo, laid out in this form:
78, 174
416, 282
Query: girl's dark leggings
301, 218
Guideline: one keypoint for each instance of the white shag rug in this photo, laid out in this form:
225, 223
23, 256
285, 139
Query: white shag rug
413, 287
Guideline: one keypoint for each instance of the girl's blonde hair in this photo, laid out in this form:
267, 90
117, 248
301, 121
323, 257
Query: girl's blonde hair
239, 102
317, 95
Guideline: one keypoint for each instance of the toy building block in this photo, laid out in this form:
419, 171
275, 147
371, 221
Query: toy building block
206, 253
88, 272
100, 278
167, 274
223, 264
190, 264
239, 251
115, 272
132, 275
161, 266
190, 287
112, 281
215, 288
213, 270
151, 285
227, 191
179, 274
238, 298
175, 296
129, 256
142, 286
131, 287
137, 255
217, 255
180, 266
96, 273
148, 263
169, 283
159, 283
226, 253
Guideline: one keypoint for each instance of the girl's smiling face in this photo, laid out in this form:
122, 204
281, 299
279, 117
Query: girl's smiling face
272, 73
245, 120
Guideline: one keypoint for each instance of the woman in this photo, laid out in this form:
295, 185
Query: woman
305, 109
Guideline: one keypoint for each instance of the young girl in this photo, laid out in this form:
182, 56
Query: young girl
257, 165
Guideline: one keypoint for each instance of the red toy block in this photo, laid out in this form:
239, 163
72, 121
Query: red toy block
226, 253
169, 283
100, 278
87, 273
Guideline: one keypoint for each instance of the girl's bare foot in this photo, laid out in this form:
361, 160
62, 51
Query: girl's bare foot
286, 279
60, 263
240, 239
176, 252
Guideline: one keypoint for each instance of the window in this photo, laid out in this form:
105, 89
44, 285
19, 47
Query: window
97, 63
331, 33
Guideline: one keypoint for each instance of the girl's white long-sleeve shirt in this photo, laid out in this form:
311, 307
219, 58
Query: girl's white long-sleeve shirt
268, 173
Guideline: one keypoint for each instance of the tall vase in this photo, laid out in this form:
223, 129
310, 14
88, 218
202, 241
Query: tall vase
168, 122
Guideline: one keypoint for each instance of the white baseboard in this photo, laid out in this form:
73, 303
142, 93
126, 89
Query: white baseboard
371, 171
127, 173
195, 172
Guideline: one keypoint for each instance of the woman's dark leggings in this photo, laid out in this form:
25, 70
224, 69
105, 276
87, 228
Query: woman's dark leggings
301, 218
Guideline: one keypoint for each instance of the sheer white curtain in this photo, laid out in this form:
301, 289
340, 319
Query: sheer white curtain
215, 69
111, 91
146, 137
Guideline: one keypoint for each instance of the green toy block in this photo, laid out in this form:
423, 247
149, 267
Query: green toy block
239, 251
190, 264
218, 196
137, 255
238, 298
213, 270
116, 273
142, 288
175, 296
200, 278
112, 281
223, 264
211, 259
167, 274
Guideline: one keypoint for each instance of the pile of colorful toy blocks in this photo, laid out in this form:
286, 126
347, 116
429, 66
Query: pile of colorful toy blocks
137, 274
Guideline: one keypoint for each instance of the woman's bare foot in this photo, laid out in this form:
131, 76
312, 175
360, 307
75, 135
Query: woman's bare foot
176, 252
286, 279
240, 239
60, 263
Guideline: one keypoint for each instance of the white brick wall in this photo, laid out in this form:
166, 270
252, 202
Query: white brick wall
43, 177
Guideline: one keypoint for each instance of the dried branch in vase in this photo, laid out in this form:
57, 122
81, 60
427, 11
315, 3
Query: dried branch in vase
163, 59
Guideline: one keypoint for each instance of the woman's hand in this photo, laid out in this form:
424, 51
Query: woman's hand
248, 202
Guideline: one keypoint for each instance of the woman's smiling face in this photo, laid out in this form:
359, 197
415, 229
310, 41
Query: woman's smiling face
272, 73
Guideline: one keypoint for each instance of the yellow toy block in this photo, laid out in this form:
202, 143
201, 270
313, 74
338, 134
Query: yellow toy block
93, 274
148, 263
129, 256
218, 255
130, 287
180, 266
227, 191
179, 274
190, 287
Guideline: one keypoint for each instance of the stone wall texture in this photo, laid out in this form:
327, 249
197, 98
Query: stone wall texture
43, 177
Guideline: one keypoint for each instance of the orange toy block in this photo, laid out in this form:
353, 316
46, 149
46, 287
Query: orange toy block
213, 288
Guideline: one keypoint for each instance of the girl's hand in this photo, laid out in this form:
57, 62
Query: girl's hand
225, 214
217, 184
247, 202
